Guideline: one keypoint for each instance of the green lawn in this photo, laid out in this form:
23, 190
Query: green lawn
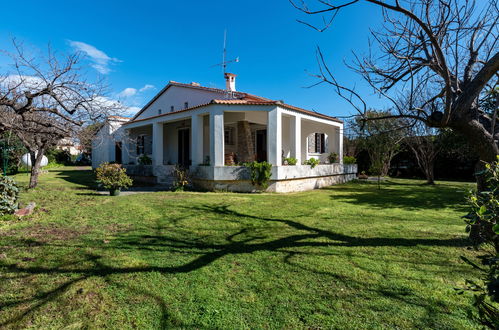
350, 256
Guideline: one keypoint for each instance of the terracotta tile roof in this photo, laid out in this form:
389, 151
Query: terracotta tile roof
239, 98
279, 103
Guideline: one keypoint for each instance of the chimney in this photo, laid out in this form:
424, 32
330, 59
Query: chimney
230, 82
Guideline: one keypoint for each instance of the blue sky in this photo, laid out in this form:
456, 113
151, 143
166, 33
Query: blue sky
140, 46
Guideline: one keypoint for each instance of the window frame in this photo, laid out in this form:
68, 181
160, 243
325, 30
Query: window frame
140, 144
229, 138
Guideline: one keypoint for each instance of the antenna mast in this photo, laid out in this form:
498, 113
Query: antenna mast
224, 64
224, 56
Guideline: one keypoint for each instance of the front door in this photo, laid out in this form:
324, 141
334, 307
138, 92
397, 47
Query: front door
261, 145
184, 147
117, 153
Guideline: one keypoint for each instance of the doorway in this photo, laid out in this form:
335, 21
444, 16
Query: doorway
184, 151
118, 153
261, 145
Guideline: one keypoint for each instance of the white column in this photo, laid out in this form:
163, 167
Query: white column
197, 140
274, 137
157, 144
217, 148
340, 144
125, 146
295, 138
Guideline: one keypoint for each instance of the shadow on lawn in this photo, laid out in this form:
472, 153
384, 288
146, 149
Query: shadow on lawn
79, 177
242, 241
410, 196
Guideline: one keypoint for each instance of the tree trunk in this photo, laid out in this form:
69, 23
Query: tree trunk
36, 161
484, 144
430, 178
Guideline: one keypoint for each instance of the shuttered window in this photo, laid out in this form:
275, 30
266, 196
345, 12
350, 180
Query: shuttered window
317, 143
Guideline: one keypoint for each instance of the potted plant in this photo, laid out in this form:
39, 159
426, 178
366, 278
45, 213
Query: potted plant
313, 162
332, 158
145, 160
113, 177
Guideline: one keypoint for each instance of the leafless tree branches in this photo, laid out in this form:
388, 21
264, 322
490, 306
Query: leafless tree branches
47, 98
446, 47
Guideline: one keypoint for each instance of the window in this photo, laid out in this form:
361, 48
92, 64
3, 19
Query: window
159, 111
172, 108
186, 105
229, 136
140, 144
317, 143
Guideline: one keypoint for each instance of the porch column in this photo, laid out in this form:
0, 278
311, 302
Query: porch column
125, 147
157, 144
274, 137
217, 148
197, 139
295, 138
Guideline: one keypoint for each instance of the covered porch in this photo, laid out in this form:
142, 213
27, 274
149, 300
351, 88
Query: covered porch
214, 142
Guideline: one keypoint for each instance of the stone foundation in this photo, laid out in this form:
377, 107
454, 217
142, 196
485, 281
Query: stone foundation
280, 186
237, 178
289, 178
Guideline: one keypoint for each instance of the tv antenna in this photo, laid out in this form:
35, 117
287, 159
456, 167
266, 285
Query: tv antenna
224, 56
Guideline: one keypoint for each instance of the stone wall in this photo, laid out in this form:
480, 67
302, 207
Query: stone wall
245, 148
280, 186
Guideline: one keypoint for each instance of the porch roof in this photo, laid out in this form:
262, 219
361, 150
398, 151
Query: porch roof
242, 102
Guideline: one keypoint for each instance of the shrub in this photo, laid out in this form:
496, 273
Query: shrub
349, 160
180, 178
113, 176
333, 157
313, 162
145, 160
260, 173
483, 226
290, 161
9, 195
57, 156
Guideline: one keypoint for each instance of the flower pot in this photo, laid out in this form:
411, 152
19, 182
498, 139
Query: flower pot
114, 192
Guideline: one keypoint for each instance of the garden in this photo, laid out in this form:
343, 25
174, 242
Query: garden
348, 256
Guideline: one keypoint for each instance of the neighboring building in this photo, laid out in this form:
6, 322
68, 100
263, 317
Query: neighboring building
69, 145
207, 129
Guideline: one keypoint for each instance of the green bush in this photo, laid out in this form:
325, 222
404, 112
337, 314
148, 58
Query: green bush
260, 173
9, 195
113, 176
61, 157
482, 222
145, 160
313, 162
181, 179
11, 151
333, 157
349, 160
290, 161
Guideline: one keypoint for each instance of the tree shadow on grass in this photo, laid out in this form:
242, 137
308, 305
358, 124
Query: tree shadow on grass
402, 195
205, 251
80, 177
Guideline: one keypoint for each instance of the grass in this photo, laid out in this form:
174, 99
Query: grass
349, 256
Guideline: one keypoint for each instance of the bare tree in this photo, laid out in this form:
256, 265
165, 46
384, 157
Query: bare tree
424, 142
381, 139
38, 132
47, 98
449, 47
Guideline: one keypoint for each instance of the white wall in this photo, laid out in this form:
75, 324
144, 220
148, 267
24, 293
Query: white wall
177, 96
332, 136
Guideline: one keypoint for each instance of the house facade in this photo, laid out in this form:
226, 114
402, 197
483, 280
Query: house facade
213, 131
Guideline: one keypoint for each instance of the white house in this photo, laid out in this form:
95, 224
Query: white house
211, 131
